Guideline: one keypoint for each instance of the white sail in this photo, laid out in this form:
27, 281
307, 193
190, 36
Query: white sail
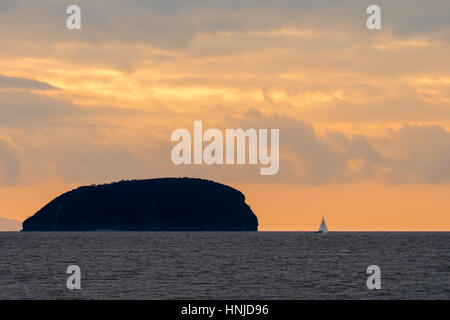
323, 227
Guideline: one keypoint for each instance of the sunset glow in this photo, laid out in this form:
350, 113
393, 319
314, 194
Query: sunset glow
364, 116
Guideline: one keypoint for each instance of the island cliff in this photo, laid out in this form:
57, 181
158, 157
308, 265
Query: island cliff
168, 204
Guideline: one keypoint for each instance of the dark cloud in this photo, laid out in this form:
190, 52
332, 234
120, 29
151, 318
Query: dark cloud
21, 83
6, 6
28, 110
174, 23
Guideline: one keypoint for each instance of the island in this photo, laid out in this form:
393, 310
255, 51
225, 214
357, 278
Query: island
164, 204
9, 225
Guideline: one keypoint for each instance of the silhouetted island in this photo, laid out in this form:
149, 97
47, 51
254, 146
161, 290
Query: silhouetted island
167, 204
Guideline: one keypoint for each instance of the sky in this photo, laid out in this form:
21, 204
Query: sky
364, 115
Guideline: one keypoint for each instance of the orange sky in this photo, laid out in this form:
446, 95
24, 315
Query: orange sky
364, 116
369, 207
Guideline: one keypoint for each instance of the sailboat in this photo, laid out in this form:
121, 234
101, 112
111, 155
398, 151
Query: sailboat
323, 227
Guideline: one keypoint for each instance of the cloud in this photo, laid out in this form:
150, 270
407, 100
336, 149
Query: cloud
10, 162
412, 154
178, 61
21, 83
312, 60
174, 24
421, 154
30, 110
415, 154
313, 159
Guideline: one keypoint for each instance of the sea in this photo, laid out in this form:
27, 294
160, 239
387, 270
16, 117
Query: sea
225, 265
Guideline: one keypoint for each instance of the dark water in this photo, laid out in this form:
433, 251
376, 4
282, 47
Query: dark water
261, 265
